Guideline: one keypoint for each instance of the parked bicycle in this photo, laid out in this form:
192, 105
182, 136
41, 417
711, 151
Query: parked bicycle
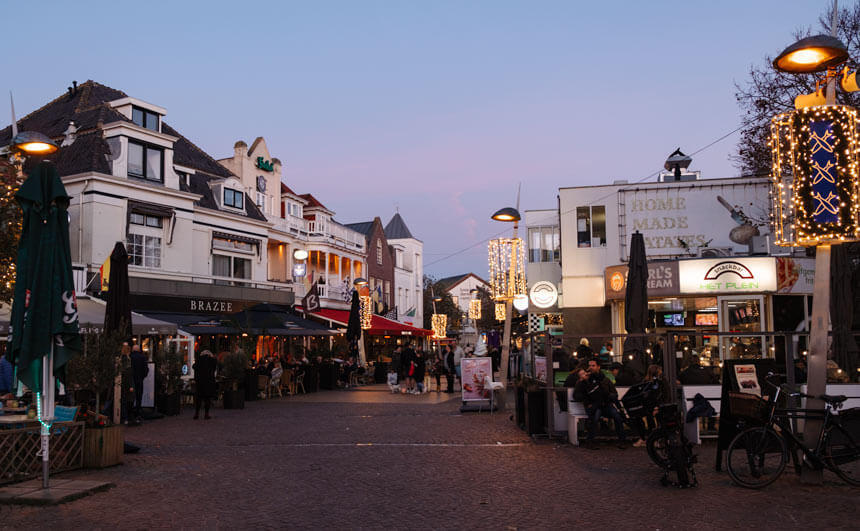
757, 456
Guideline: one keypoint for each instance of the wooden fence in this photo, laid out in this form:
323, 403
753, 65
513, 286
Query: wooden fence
19, 448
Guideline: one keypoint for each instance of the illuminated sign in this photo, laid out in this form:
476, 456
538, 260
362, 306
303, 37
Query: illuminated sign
721, 275
544, 294
265, 165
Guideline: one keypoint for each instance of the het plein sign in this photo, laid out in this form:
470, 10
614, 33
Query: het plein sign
265, 165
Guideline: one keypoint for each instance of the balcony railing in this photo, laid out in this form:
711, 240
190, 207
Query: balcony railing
291, 225
327, 232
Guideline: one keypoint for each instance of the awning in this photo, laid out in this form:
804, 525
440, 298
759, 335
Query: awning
259, 320
150, 209
194, 323
91, 317
379, 326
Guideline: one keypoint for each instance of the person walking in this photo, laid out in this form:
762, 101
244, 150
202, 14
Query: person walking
420, 371
139, 371
438, 369
204, 378
451, 371
407, 360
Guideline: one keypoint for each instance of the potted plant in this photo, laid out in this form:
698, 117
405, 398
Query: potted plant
168, 377
95, 372
233, 368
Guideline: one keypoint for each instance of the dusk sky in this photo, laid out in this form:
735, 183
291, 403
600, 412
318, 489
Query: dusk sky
436, 108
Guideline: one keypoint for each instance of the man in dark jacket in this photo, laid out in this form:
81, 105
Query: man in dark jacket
139, 371
448, 356
599, 396
407, 359
695, 374
204, 380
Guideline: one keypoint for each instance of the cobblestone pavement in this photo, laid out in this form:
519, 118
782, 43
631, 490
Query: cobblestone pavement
368, 459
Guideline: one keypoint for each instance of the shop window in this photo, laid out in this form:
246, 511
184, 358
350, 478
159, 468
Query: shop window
234, 198
591, 226
144, 118
144, 161
144, 250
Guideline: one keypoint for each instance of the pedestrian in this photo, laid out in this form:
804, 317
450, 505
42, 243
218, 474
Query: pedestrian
139, 371
396, 362
605, 356
5, 375
450, 370
407, 360
438, 369
418, 375
583, 352
204, 379
458, 356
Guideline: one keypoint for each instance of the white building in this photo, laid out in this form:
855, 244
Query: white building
543, 269
408, 271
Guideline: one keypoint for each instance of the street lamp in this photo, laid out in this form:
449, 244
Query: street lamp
507, 276
33, 143
814, 188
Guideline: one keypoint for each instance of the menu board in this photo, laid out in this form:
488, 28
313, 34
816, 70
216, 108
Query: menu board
540, 368
474, 371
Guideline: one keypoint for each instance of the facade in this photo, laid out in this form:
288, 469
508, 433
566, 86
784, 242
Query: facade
380, 264
543, 269
408, 271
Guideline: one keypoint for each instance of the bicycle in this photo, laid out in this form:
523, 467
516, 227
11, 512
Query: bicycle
670, 450
757, 456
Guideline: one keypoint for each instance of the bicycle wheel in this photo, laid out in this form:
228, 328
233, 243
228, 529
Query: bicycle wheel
842, 454
756, 457
657, 446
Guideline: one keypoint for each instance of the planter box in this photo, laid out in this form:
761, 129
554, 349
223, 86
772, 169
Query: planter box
169, 404
104, 446
234, 399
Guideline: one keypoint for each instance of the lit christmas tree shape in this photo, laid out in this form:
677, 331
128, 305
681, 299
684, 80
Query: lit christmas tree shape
814, 189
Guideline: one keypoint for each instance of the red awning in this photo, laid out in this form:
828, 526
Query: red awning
379, 326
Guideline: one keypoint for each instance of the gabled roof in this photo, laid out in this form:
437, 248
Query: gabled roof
363, 227
287, 190
449, 283
313, 202
186, 153
397, 229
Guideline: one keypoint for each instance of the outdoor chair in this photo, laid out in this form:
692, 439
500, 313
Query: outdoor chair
288, 380
300, 383
64, 414
492, 387
275, 382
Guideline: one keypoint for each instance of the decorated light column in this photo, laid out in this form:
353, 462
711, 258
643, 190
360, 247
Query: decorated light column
507, 277
815, 188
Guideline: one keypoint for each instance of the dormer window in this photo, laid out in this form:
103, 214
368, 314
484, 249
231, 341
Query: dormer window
234, 198
144, 118
145, 162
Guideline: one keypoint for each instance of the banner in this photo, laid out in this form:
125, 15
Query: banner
474, 371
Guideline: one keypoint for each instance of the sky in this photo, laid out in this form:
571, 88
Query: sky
438, 110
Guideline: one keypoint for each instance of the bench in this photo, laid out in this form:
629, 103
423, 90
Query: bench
576, 412
712, 394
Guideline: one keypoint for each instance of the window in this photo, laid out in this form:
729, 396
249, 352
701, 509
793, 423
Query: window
144, 118
379, 252
387, 293
591, 226
144, 250
145, 220
261, 201
232, 245
231, 266
544, 244
294, 210
234, 198
144, 161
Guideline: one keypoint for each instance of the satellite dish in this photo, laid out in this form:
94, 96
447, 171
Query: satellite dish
743, 234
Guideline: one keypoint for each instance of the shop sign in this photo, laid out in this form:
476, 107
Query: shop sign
265, 165
543, 294
662, 280
682, 220
299, 270
728, 275
161, 303
209, 306
795, 275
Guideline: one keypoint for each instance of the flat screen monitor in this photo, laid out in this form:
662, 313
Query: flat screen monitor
706, 319
673, 319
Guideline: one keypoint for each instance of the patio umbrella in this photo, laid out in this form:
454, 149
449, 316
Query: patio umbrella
636, 301
843, 348
353, 327
44, 319
118, 309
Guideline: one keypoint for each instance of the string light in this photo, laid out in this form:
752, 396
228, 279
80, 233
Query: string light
501, 252
814, 174
500, 311
475, 309
366, 314
439, 322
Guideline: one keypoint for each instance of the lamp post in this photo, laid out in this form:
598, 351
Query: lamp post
514, 278
815, 175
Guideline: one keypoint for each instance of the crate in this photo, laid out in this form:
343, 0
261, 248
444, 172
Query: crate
748, 407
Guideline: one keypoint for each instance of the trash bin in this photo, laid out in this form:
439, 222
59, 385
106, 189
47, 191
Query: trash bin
535, 409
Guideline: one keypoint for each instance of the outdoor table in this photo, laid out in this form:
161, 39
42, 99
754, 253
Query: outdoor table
8, 421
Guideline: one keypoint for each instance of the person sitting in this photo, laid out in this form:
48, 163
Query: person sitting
625, 375
393, 386
599, 396
583, 351
695, 374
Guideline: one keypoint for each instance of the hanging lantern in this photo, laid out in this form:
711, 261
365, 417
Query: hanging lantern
439, 322
475, 309
814, 189
500, 311
507, 257
366, 311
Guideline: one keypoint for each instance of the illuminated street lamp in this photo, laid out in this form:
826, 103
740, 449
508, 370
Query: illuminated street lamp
812, 54
507, 276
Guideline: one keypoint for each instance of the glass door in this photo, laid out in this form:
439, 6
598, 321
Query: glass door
745, 317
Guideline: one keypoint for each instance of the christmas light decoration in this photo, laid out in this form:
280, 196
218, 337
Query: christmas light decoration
439, 322
11, 224
475, 309
500, 311
365, 309
506, 278
814, 189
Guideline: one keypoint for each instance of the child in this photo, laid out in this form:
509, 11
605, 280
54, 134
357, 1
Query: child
392, 381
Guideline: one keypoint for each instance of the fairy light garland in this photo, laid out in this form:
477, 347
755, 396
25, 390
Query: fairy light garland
500, 252
475, 309
814, 174
439, 322
500, 311
365, 311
